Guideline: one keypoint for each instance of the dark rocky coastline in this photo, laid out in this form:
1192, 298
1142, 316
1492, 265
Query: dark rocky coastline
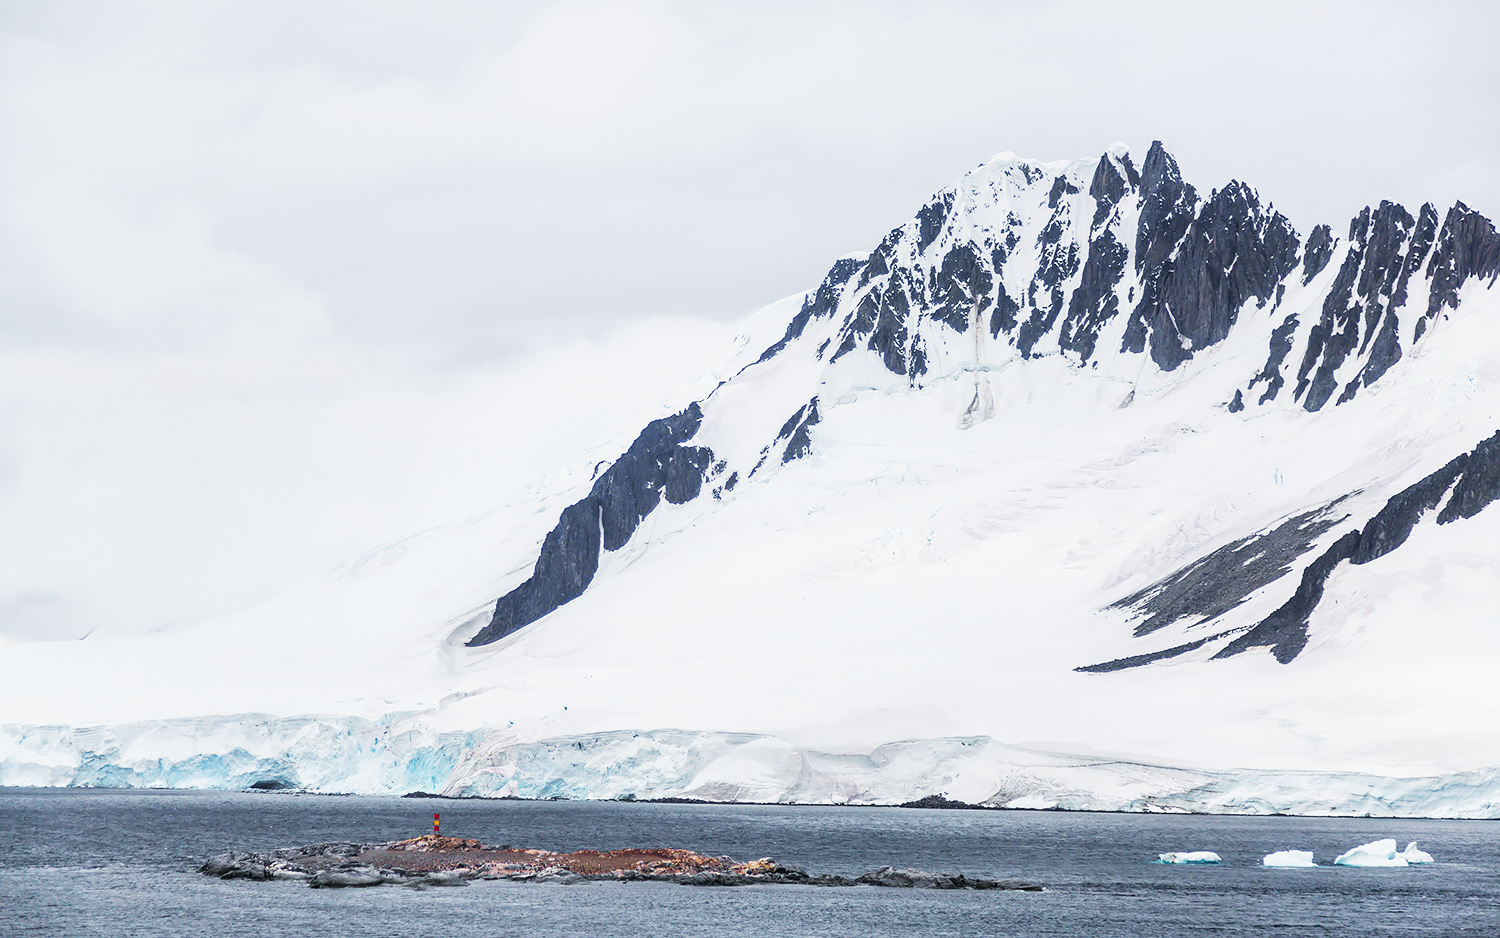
449, 861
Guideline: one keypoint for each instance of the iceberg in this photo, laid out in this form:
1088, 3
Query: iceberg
1375, 853
1412, 855
1289, 858
1191, 856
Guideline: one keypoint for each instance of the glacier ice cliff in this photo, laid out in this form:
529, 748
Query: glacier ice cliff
395, 757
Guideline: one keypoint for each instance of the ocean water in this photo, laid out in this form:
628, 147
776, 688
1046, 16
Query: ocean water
121, 863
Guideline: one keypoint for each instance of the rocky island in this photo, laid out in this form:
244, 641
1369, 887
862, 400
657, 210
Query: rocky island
434, 860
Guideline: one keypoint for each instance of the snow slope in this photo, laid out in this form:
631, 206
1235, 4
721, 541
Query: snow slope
1185, 510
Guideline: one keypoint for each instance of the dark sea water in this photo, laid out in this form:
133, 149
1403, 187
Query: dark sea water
121, 863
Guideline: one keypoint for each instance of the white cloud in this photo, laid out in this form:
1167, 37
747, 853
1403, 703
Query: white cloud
99, 273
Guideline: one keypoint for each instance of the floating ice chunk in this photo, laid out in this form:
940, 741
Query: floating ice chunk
1412, 855
1375, 853
1288, 858
1194, 856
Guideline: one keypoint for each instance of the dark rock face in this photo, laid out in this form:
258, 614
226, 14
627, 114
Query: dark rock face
879, 262
1167, 208
1474, 480
1137, 661
880, 318
1222, 580
1320, 245
962, 277
657, 465
1212, 585
1468, 246
1195, 265
822, 302
1281, 343
931, 218
1095, 302
1060, 188
1058, 259
1003, 318
1231, 251
1421, 243
798, 432
1109, 186
1359, 314
567, 564
1385, 352
889, 337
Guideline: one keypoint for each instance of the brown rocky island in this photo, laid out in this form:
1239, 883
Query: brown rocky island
433, 860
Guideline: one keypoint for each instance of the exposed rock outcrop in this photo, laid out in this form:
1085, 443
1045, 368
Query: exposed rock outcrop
658, 465
1469, 482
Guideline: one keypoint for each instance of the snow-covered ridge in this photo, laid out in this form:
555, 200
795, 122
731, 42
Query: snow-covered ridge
330, 754
1109, 270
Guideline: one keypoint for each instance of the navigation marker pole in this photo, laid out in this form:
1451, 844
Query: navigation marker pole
434, 824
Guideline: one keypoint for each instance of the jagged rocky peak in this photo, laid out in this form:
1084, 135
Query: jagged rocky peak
1093, 262
1167, 207
1392, 277
1054, 256
1114, 177
1199, 263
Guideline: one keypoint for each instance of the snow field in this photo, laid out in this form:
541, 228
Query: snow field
864, 624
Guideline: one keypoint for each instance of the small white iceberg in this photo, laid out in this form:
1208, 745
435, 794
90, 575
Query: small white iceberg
1375, 853
1413, 855
1288, 858
1189, 856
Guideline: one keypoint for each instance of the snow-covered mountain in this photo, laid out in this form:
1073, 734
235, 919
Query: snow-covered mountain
1184, 509
1140, 274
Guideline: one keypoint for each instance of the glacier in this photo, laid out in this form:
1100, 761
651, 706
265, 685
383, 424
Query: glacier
1080, 490
398, 756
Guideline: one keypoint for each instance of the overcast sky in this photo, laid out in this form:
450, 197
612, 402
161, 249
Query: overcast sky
282, 281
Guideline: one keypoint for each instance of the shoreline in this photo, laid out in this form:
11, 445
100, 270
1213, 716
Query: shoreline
435, 860
910, 805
